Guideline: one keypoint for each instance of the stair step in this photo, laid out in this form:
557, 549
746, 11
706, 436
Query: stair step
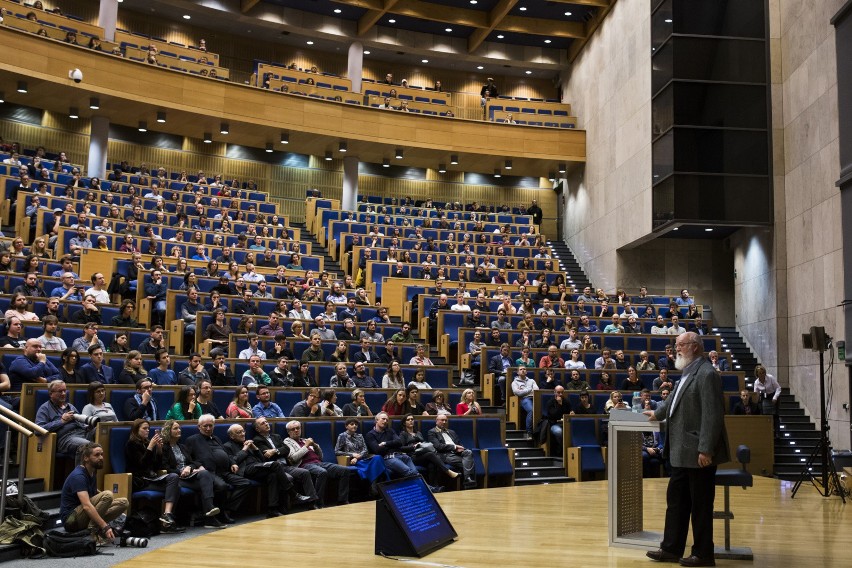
527, 453
534, 472
538, 462
544, 480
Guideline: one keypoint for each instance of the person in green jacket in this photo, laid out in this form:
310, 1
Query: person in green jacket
185, 408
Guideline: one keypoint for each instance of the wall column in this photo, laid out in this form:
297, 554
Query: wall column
98, 141
107, 17
350, 182
356, 65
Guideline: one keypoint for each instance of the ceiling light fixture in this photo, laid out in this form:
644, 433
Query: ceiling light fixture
448, 30
186, 16
497, 173
528, 72
480, 67
94, 103
424, 61
337, 10
386, 163
366, 52
22, 86
562, 168
508, 164
161, 116
309, 42
269, 147
143, 126
500, 36
567, 13
454, 159
224, 128
442, 168
391, 21
2, 97
342, 146
399, 153
285, 137
208, 138
328, 155
73, 112
551, 176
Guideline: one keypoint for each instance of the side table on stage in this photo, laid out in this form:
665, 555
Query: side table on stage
624, 473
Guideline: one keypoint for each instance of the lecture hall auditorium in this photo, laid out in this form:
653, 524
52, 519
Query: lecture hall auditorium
279, 210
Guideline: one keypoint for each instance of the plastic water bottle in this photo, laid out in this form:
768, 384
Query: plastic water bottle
637, 402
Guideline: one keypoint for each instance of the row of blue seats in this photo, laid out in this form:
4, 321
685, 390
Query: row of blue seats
433, 212
418, 111
660, 303
415, 211
545, 123
339, 222
525, 110
385, 92
382, 270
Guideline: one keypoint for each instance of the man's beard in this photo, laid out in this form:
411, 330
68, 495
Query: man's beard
681, 361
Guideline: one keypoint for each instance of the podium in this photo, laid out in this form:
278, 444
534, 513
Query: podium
624, 472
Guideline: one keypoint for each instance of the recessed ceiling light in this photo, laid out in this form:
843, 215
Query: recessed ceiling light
424, 61
676, 228
480, 67
94, 103
448, 30
186, 16
523, 8
161, 116
337, 10
143, 126
385, 163
497, 173
500, 36
366, 52
668, 20
310, 42
208, 138
473, 1
547, 41
709, 230
391, 21
567, 13
73, 112
528, 72
269, 147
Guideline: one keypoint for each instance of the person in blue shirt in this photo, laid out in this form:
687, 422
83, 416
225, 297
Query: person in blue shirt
95, 370
162, 375
200, 253
31, 367
684, 299
265, 408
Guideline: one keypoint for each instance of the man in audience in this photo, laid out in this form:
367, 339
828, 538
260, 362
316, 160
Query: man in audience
697, 326
404, 335
314, 352
206, 449
255, 375
57, 415
307, 454
188, 313
252, 349
587, 326
383, 441
273, 327
667, 361
219, 371
79, 242
322, 330
446, 443
587, 296
245, 305
89, 314
577, 383
280, 348
552, 359
48, 339
153, 344
499, 365
643, 299
30, 287
162, 374
273, 448
98, 289
746, 406
194, 373
299, 312
350, 311
68, 290
308, 407
205, 399
95, 370
535, 211
361, 379
142, 404
606, 357
675, 328
663, 381
293, 293
684, 300
31, 367
81, 505
366, 354
720, 364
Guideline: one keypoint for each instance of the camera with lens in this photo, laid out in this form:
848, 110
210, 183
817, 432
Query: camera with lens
90, 421
132, 541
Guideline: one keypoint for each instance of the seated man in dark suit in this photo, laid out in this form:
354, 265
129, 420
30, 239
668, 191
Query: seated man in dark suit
452, 453
746, 406
498, 365
253, 465
207, 450
273, 448
95, 370
366, 354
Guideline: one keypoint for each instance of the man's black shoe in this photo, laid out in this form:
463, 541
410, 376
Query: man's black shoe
661, 555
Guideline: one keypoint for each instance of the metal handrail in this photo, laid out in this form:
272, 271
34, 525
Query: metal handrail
26, 429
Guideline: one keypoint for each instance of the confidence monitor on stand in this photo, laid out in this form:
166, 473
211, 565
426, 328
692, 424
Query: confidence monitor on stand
409, 521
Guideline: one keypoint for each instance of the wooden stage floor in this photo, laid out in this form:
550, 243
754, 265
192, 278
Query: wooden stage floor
535, 526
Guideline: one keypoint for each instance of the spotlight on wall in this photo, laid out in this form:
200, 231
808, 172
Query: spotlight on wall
551, 176
73, 112
399, 153
161, 116
328, 155
342, 146
454, 159
508, 165
497, 173
269, 147
208, 138
562, 168
386, 163
285, 137
442, 168
22, 86
224, 128
94, 103
143, 126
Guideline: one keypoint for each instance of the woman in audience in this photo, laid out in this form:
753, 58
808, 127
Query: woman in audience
412, 403
296, 331
240, 406
632, 382
181, 268
615, 401
98, 407
133, 369
31, 264
190, 281
417, 449
186, 408
246, 325
575, 362
527, 307
329, 314
341, 353
395, 405
219, 331
146, 459
69, 369
302, 376
212, 270
6, 261
358, 406
121, 343
361, 297
176, 458
39, 248
438, 405
468, 405
605, 382
101, 243
420, 380
393, 378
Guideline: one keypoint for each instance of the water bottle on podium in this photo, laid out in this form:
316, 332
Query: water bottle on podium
637, 402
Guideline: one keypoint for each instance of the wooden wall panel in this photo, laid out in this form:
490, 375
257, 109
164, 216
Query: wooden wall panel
74, 144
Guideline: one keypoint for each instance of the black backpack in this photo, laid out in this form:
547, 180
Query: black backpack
70, 545
142, 523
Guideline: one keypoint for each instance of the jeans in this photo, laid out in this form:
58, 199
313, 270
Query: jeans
527, 405
400, 465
